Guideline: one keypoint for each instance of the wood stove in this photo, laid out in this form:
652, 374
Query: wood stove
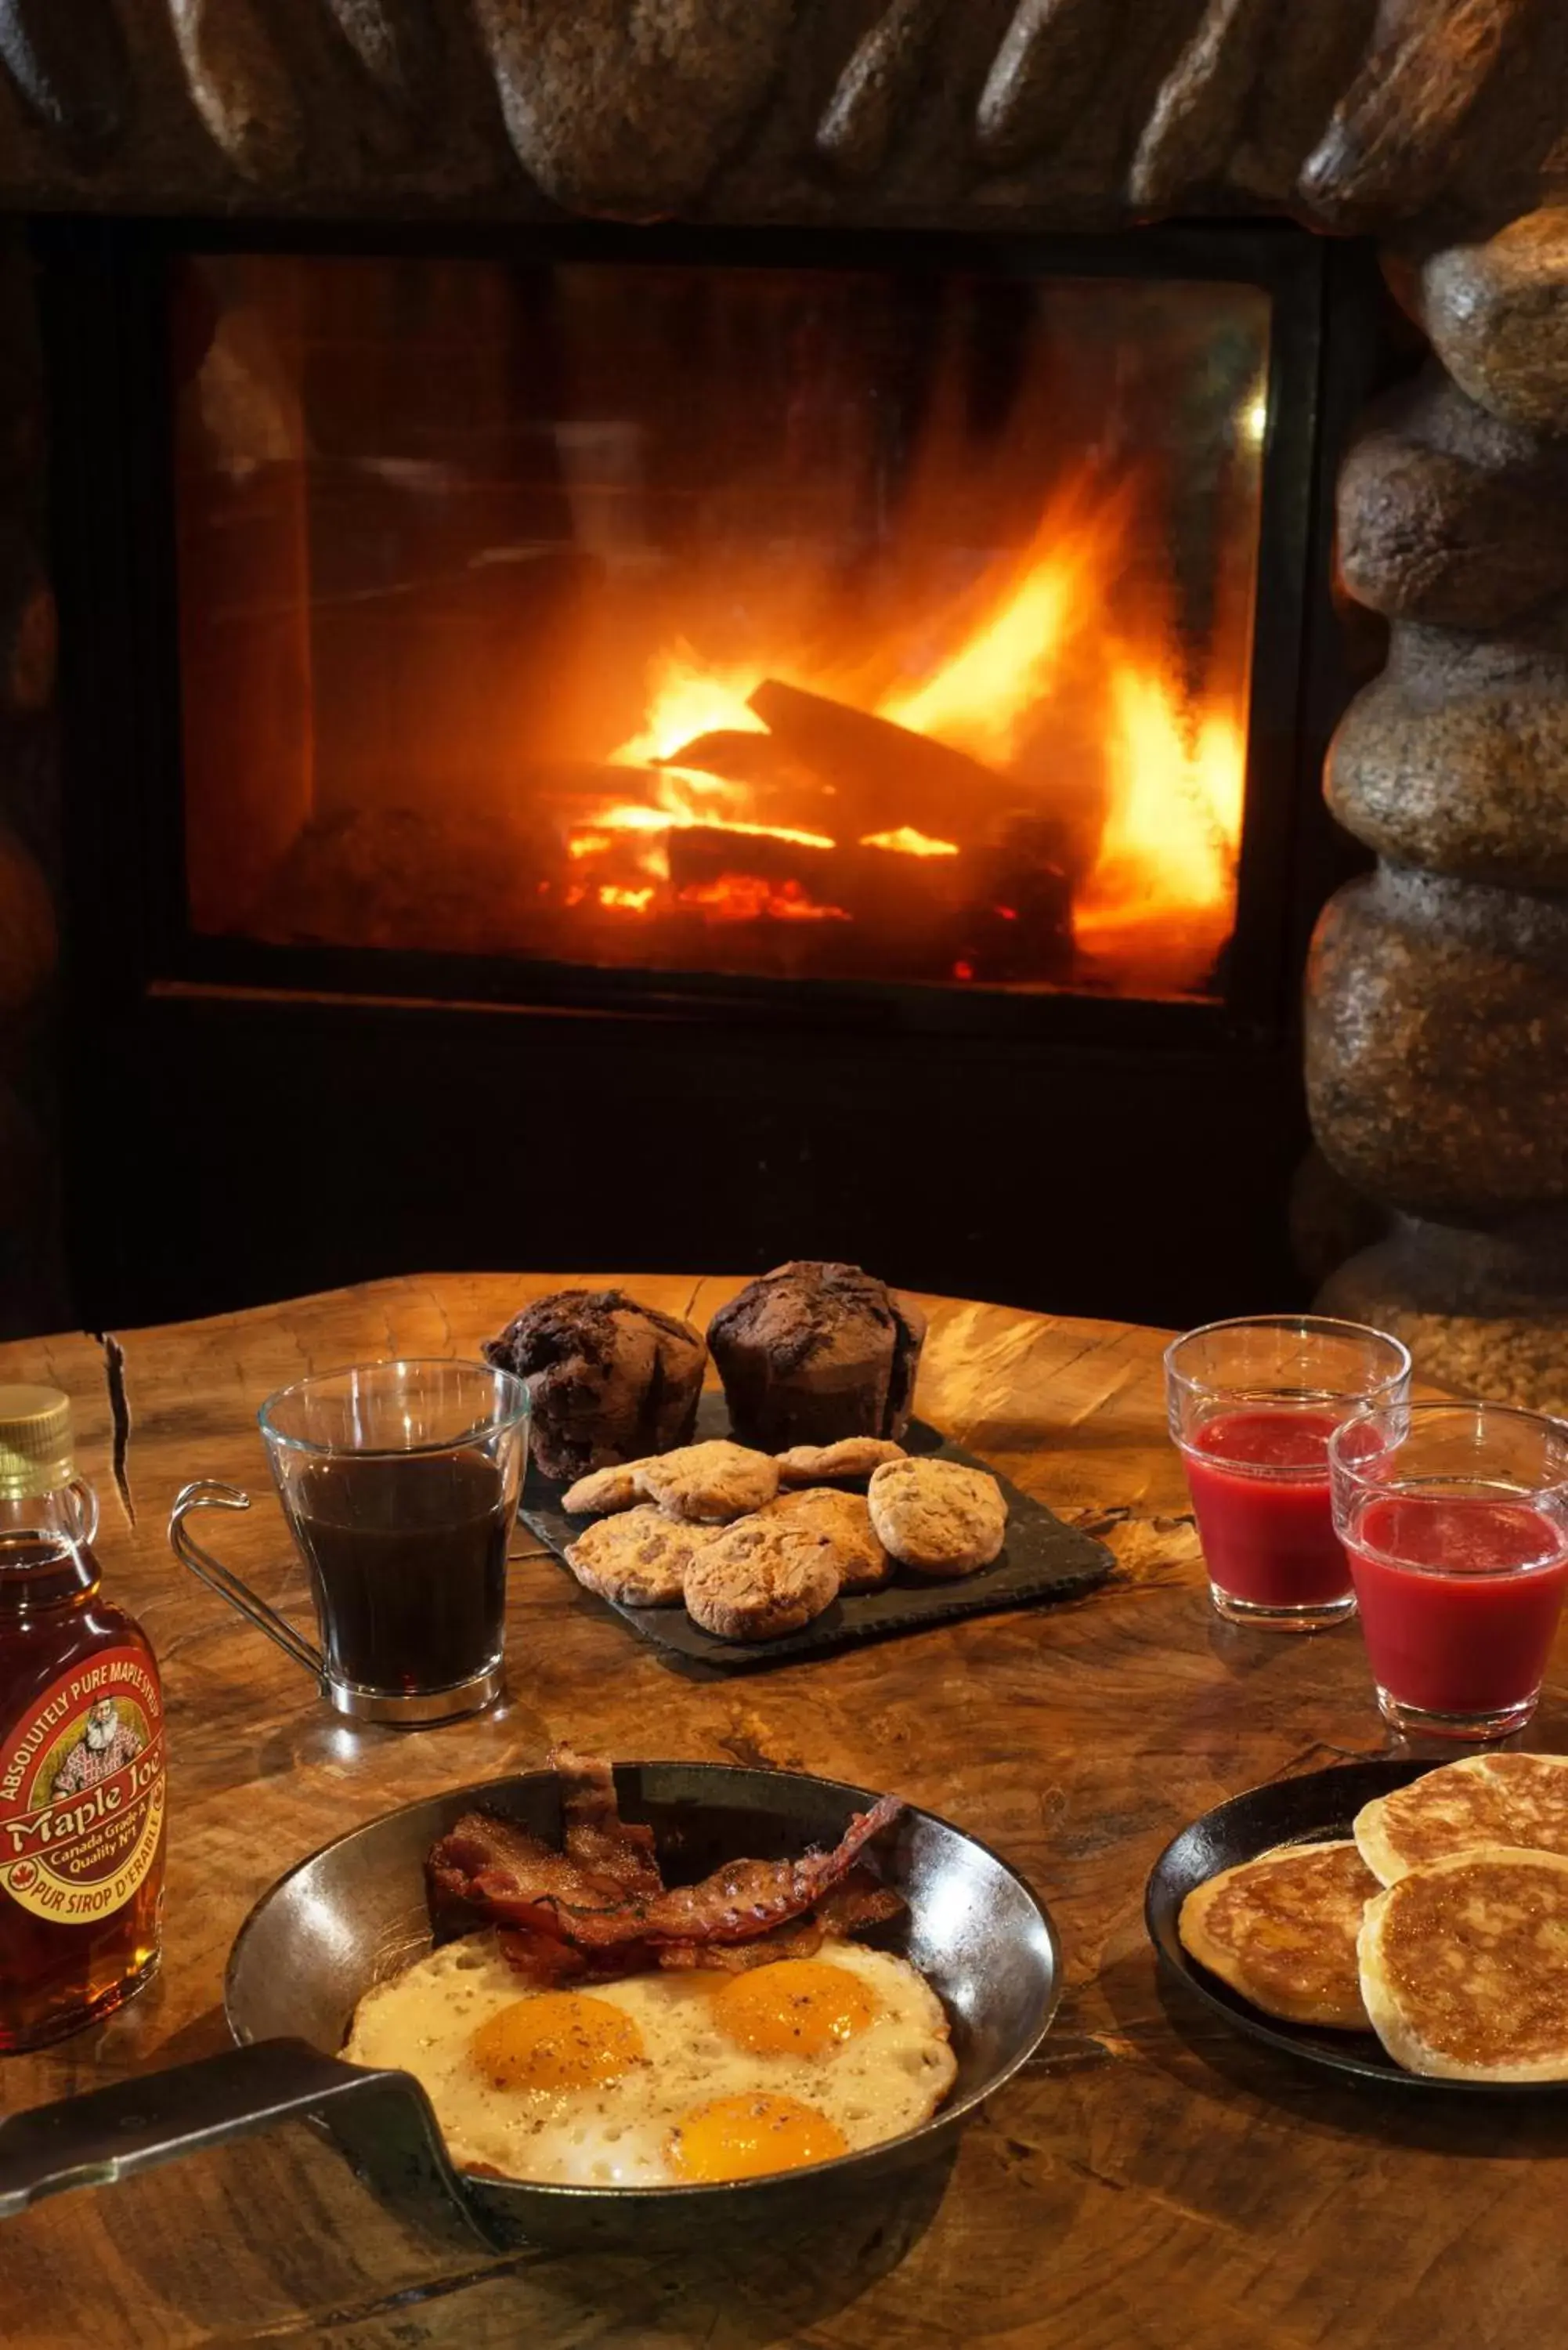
744, 743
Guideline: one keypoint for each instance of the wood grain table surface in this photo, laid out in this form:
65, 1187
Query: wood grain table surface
1150, 2179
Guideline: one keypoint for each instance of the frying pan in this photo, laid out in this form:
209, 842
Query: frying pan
355, 1912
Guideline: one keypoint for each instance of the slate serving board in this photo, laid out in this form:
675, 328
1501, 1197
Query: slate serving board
1042, 1559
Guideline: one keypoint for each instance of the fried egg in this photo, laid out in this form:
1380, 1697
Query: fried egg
665, 2079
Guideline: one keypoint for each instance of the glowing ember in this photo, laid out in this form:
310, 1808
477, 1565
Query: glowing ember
910, 843
592, 840
743, 898
767, 832
634, 817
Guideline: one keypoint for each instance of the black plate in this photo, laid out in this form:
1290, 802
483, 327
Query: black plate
1308, 1810
1040, 1559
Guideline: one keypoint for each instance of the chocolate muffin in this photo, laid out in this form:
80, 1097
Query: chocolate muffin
611, 1381
810, 1353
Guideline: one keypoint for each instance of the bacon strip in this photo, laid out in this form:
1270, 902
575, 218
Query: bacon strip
480, 1850
539, 1959
542, 1960
738, 1902
599, 1910
598, 1838
802, 1939
856, 1901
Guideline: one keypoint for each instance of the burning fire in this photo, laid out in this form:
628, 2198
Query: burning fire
592, 840
686, 699
907, 842
980, 698
744, 898
1171, 834
1046, 628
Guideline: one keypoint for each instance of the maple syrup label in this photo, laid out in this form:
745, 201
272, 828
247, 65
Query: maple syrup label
81, 1789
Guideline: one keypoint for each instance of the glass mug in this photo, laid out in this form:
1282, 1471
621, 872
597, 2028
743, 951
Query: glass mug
1455, 1517
399, 1483
1253, 1404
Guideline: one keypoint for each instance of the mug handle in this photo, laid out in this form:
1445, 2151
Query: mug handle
206, 1493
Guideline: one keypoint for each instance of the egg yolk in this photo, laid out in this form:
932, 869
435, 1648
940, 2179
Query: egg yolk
797, 2007
558, 2040
745, 2137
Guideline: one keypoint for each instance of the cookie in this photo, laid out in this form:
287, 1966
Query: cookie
640, 1557
760, 1579
863, 1564
937, 1516
605, 1490
712, 1483
852, 1456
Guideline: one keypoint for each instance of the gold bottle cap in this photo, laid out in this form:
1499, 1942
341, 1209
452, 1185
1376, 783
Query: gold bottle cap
36, 1452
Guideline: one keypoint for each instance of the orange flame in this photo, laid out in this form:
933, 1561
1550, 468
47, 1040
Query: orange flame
907, 842
979, 697
635, 816
1156, 902
1171, 838
685, 699
744, 898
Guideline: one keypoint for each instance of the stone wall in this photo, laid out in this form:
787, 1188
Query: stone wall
1351, 114
1438, 1026
1437, 994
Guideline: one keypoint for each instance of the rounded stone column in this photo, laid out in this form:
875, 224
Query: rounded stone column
1437, 1026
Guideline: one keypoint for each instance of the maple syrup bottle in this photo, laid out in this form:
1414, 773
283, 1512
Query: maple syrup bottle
81, 1749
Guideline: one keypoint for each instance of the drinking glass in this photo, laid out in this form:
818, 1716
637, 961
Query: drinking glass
1251, 1406
399, 1483
1455, 1517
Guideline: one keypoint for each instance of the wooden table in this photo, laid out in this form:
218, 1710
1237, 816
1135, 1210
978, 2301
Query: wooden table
1148, 2180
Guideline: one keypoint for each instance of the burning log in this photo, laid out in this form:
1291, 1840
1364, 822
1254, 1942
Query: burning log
702, 854
784, 789
891, 775
1022, 927
909, 910
737, 757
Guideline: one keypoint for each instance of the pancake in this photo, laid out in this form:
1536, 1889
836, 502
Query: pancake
1488, 1799
1281, 1930
1464, 1966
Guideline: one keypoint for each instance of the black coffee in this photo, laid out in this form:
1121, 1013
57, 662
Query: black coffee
407, 1555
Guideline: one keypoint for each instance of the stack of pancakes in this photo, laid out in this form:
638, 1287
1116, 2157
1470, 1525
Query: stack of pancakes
1442, 1923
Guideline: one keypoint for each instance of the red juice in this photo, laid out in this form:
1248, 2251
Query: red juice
1459, 1597
1259, 1481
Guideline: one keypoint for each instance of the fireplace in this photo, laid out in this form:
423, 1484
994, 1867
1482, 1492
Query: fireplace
289, 812
814, 683
678, 614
